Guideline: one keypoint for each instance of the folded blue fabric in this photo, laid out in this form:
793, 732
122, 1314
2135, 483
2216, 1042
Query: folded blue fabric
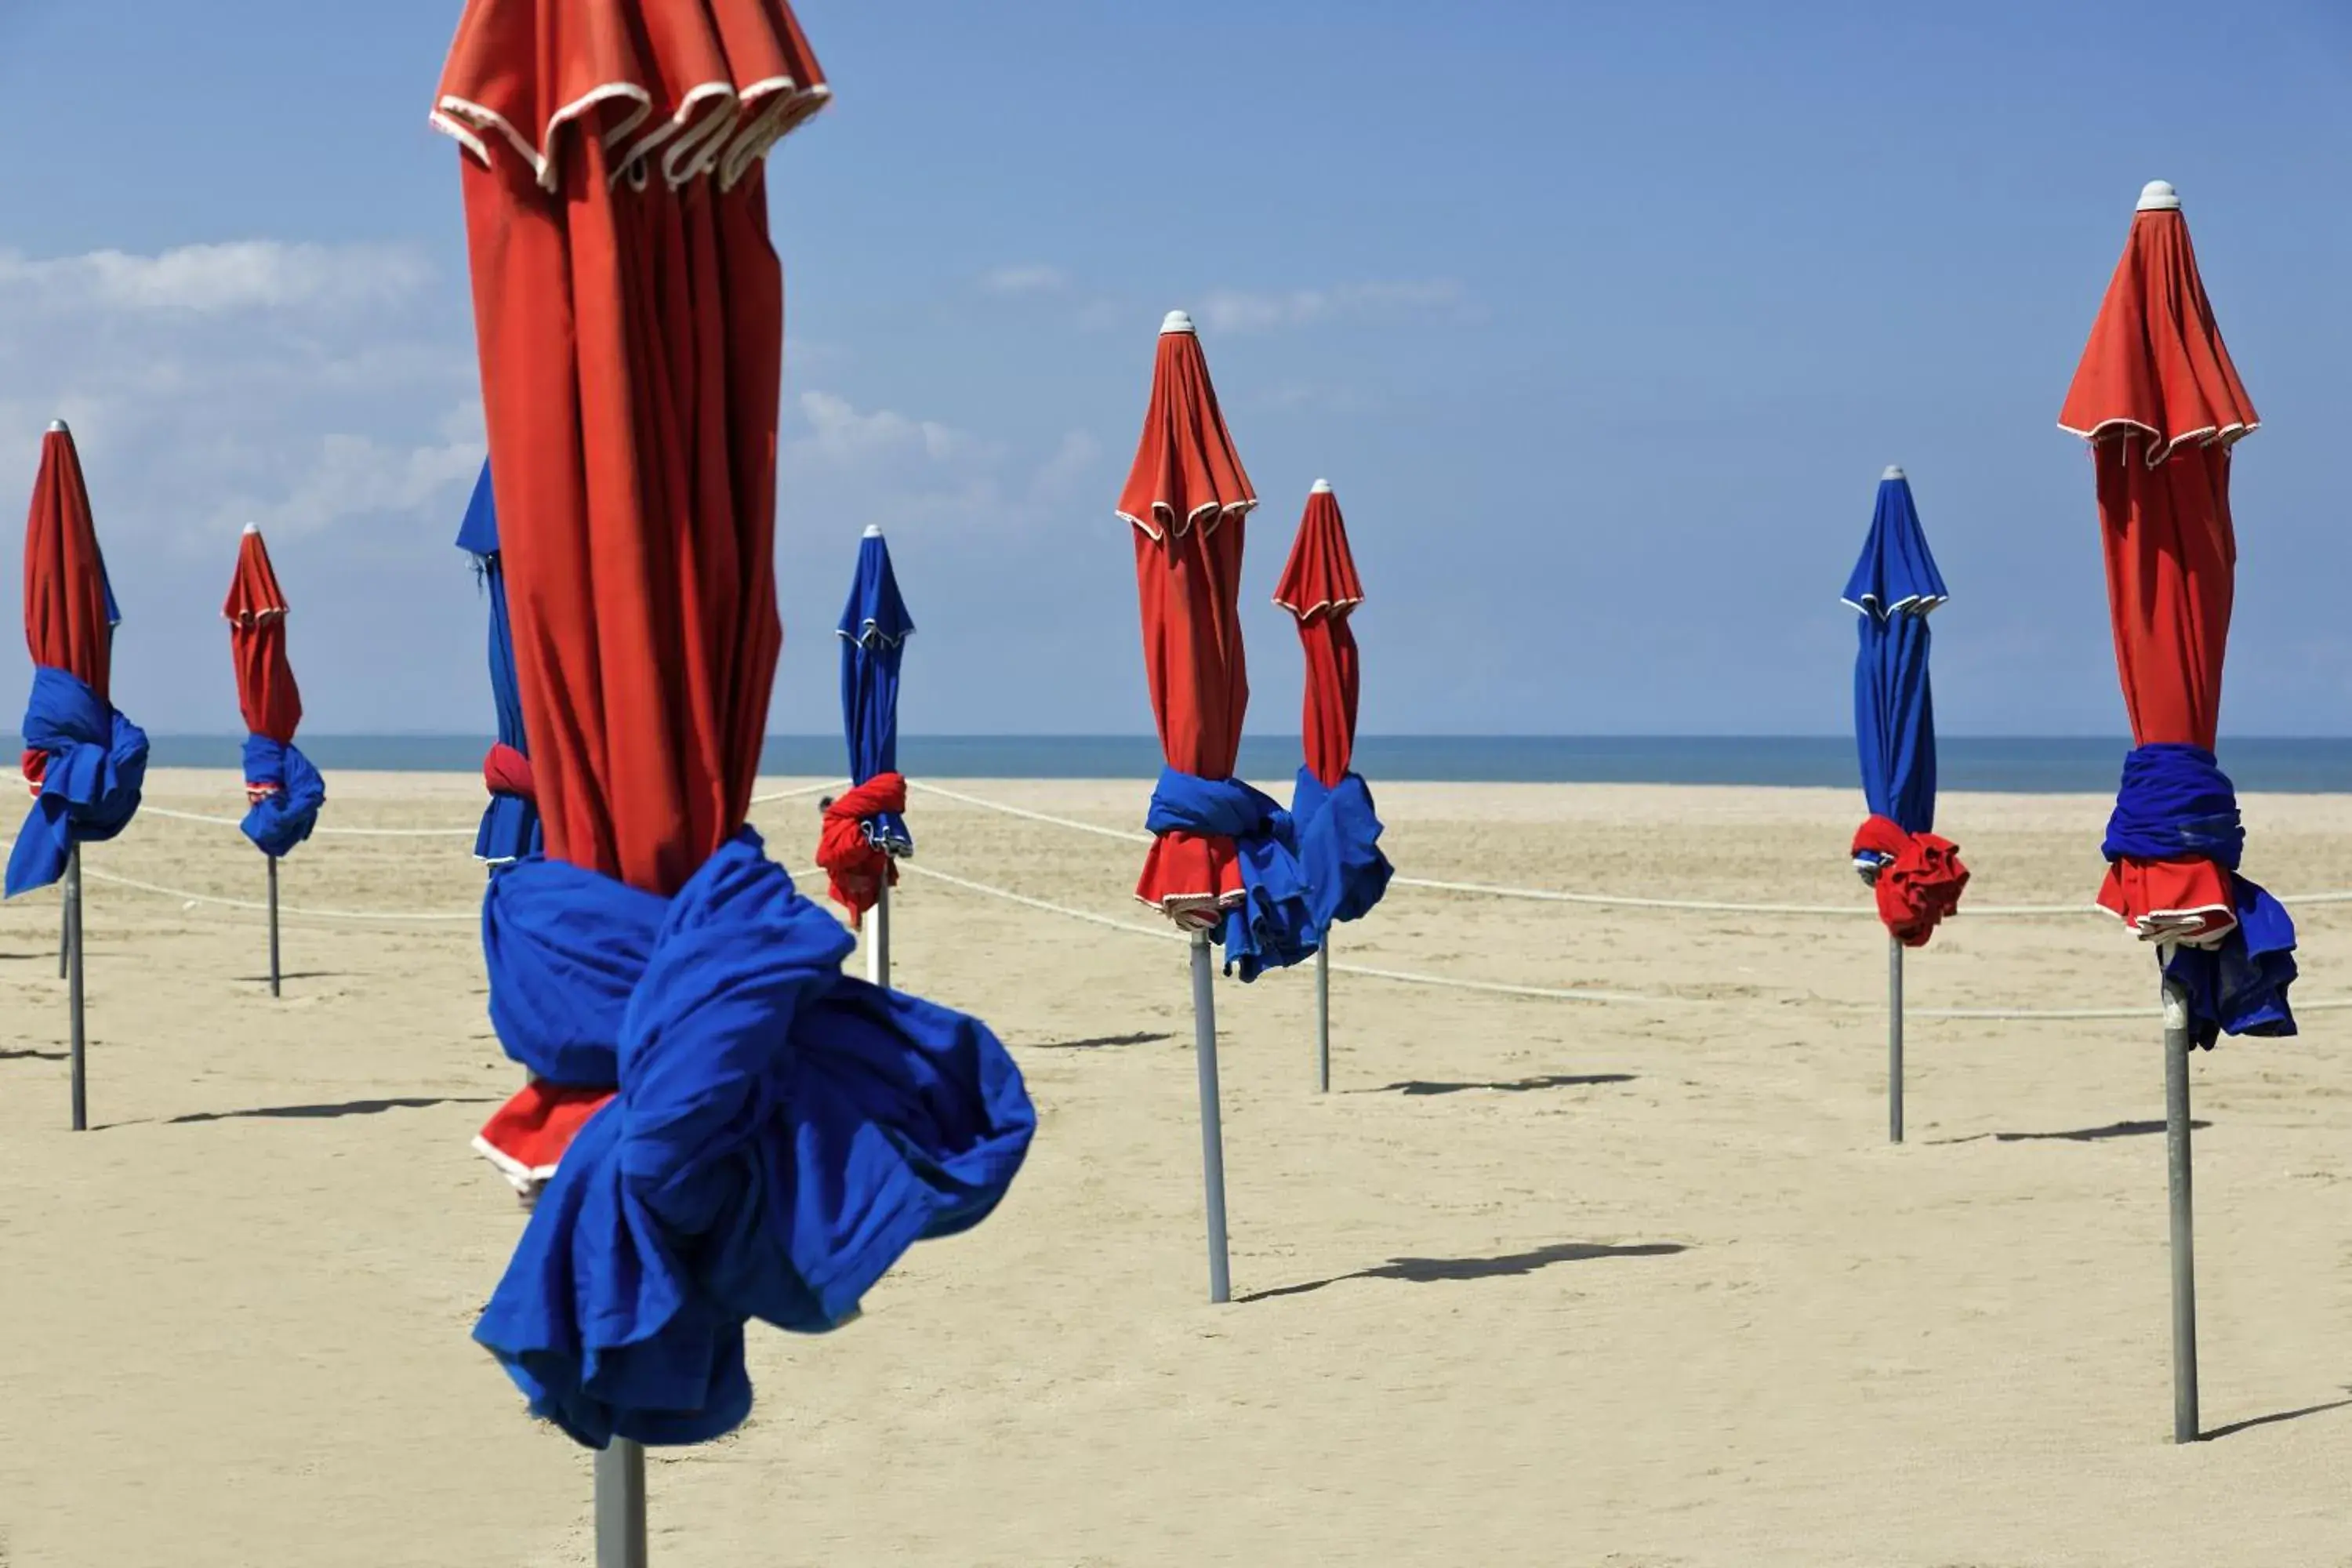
278, 822
509, 829
1273, 926
780, 1135
2175, 804
98, 765
1339, 845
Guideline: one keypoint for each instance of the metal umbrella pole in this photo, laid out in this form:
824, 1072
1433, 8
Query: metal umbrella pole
273, 923
1323, 1015
2184, 1250
1213, 1135
1893, 1039
74, 987
877, 937
621, 1505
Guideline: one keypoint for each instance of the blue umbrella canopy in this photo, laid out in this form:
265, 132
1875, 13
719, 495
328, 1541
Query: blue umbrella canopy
1894, 585
874, 630
510, 827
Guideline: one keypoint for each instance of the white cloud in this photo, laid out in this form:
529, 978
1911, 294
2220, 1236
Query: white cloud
299, 385
1239, 310
883, 466
1033, 278
215, 279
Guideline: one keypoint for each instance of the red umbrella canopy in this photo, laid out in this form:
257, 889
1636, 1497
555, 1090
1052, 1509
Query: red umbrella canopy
2160, 404
629, 312
1187, 497
256, 610
67, 619
1320, 586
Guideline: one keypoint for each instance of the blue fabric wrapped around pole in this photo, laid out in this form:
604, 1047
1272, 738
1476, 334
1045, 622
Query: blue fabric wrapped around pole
283, 819
97, 767
2175, 804
510, 827
1894, 586
1338, 836
780, 1135
1274, 926
874, 630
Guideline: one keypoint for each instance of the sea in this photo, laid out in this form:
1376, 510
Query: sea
2023, 766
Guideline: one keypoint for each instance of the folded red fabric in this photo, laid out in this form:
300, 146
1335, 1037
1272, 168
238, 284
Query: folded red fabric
855, 867
505, 771
1919, 881
527, 1136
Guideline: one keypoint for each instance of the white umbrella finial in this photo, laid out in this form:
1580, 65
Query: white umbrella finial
2159, 196
1894, 471
57, 427
1176, 322
872, 531
1321, 487
253, 528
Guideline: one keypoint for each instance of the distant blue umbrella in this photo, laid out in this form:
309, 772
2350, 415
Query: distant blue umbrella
1919, 877
510, 827
874, 630
1894, 585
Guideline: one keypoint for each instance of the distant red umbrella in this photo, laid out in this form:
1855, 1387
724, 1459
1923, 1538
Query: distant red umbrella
84, 763
1187, 497
1320, 586
256, 610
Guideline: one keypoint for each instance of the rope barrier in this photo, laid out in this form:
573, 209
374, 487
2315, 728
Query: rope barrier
1603, 900
794, 794
195, 898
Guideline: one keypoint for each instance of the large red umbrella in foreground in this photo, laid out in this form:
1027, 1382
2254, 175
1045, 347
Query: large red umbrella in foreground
757, 1136
2161, 405
1339, 832
84, 762
283, 790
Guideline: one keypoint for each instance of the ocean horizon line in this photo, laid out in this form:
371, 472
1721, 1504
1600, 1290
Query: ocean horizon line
2005, 764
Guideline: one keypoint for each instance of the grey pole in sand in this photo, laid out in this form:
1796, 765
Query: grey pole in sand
2184, 1250
877, 937
1893, 1040
73, 987
1212, 1131
621, 1505
1323, 1015
65, 936
273, 923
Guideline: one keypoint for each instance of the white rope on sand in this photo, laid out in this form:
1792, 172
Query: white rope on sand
794, 794
1603, 900
193, 898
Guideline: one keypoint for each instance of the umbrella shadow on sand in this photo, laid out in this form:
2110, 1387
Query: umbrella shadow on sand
1433, 1270
30, 1055
1100, 1042
1513, 1086
325, 1112
2272, 1420
2075, 1135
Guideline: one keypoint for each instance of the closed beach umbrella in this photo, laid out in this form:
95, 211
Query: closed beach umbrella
772, 1135
1223, 862
1339, 832
84, 762
2162, 409
864, 831
509, 828
283, 791
1918, 875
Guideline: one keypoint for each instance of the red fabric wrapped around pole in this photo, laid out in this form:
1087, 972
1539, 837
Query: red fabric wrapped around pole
1320, 586
256, 611
2160, 404
1188, 498
68, 624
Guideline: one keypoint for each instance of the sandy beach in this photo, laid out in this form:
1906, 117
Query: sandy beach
1542, 1282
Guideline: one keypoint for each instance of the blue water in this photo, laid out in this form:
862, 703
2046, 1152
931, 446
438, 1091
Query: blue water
2013, 766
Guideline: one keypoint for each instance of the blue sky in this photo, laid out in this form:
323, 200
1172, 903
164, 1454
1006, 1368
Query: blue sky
1603, 318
